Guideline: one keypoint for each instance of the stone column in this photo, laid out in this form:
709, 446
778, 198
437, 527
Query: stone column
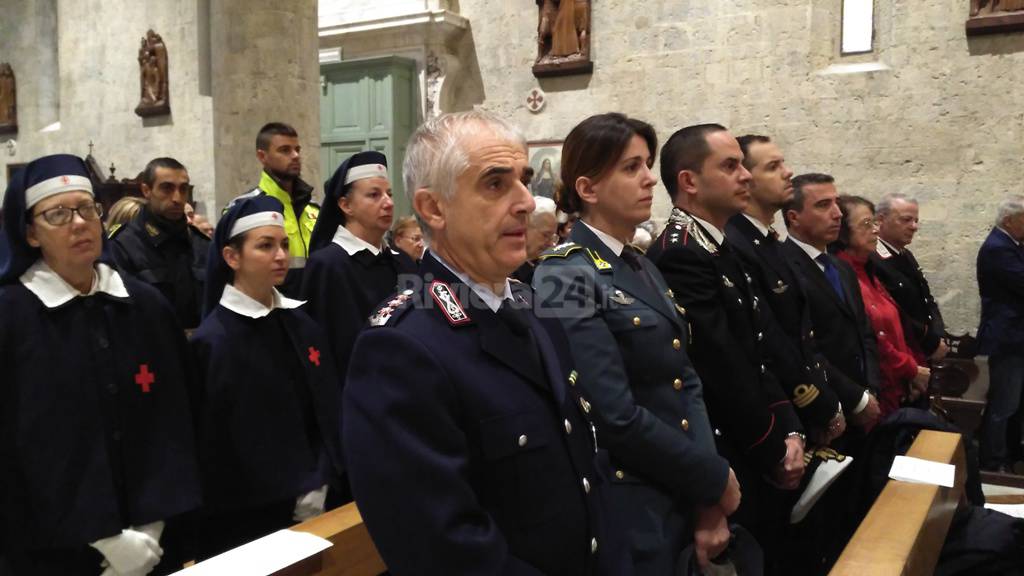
263, 68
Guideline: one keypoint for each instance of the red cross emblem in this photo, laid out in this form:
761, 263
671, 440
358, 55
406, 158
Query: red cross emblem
144, 378
314, 356
65, 180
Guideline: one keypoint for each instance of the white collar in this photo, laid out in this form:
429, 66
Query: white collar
492, 300
351, 243
240, 303
886, 250
810, 250
1008, 235
710, 228
757, 224
54, 291
613, 244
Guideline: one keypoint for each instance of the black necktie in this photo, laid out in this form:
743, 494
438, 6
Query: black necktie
772, 236
514, 317
631, 256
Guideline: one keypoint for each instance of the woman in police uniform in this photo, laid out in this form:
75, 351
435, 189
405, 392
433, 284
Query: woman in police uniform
95, 427
269, 435
628, 343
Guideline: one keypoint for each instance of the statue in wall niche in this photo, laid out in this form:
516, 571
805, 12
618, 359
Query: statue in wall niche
155, 92
563, 38
8, 100
979, 7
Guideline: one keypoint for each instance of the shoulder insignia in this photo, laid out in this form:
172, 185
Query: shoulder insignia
560, 251
251, 193
681, 221
152, 230
599, 263
384, 313
450, 305
114, 230
728, 283
804, 394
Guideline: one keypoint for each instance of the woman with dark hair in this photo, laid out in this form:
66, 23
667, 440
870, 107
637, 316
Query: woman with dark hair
903, 380
269, 434
96, 434
669, 488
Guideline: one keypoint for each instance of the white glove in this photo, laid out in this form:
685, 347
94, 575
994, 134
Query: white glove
310, 505
130, 553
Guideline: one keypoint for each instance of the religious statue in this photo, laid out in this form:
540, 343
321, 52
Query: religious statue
155, 93
995, 16
563, 38
8, 100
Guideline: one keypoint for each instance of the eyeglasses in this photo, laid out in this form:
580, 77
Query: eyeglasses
867, 224
62, 215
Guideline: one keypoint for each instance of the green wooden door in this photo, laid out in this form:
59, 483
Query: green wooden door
369, 105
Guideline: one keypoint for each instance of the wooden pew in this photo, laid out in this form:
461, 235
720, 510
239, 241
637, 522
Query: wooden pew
353, 553
903, 532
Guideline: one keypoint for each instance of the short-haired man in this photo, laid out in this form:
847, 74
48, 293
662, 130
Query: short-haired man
541, 234
897, 216
761, 435
788, 335
466, 440
1000, 268
159, 246
842, 332
279, 151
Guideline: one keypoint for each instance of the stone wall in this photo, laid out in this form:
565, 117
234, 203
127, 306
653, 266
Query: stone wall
929, 112
76, 64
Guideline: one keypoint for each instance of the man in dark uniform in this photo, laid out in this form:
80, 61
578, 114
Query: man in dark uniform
159, 246
897, 268
789, 335
843, 334
466, 440
761, 435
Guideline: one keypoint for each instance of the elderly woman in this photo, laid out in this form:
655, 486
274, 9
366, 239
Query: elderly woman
407, 236
540, 235
96, 431
268, 423
902, 379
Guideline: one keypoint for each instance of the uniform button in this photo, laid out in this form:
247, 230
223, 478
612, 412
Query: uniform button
585, 405
762, 368
523, 440
593, 545
817, 364
620, 474
760, 336
586, 485
740, 300
881, 333
636, 320
568, 426
685, 425
811, 333
677, 344
900, 284
677, 384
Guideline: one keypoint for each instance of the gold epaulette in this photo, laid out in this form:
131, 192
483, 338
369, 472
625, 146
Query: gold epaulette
113, 230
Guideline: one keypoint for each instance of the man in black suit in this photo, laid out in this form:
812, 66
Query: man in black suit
761, 435
897, 216
788, 335
843, 334
1001, 332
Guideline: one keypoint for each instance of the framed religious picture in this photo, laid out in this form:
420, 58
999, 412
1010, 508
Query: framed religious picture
545, 157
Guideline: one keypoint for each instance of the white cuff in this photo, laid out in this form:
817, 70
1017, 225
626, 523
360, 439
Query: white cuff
863, 403
310, 505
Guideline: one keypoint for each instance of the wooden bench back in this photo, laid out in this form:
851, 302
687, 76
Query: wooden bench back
903, 533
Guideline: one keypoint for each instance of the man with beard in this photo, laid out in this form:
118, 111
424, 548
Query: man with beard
279, 151
159, 246
788, 335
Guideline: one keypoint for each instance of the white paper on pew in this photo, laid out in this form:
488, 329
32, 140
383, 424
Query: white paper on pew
921, 471
262, 556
